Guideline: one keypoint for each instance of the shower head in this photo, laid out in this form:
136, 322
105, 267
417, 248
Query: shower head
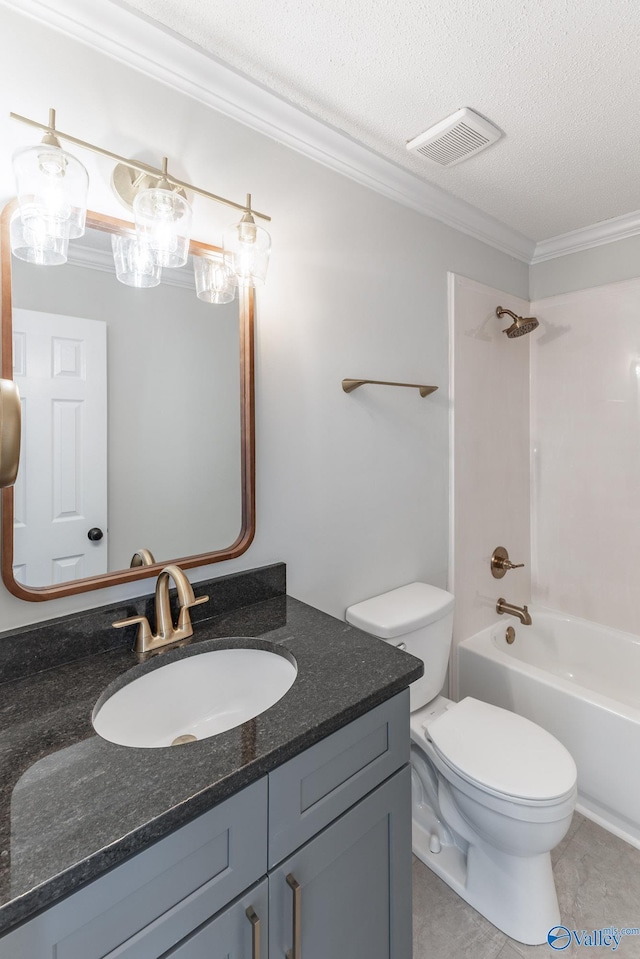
521, 324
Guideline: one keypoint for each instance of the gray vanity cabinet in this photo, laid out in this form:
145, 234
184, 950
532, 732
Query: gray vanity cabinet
318, 851
346, 893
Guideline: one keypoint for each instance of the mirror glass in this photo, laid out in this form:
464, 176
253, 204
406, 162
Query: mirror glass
137, 420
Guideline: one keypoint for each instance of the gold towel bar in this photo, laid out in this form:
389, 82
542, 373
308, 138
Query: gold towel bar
350, 385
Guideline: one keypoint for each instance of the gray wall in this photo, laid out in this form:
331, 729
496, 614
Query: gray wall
578, 271
352, 490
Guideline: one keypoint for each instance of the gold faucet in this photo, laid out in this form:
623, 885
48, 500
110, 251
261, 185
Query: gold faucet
167, 634
502, 606
142, 557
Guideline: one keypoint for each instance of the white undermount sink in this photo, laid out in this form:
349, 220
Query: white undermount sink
194, 697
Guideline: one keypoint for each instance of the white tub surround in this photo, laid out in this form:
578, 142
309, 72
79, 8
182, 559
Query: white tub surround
489, 454
581, 682
585, 425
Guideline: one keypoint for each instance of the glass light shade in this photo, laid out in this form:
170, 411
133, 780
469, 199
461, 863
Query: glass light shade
34, 245
163, 222
135, 263
246, 250
215, 283
52, 190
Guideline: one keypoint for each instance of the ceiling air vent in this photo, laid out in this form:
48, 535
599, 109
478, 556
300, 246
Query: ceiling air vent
461, 135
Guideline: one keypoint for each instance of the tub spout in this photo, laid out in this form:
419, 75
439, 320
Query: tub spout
502, 606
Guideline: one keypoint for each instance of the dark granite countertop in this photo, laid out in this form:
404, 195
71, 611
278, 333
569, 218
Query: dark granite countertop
73, 805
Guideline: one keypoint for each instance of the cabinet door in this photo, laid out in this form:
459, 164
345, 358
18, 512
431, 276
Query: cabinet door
347, 893
239, 932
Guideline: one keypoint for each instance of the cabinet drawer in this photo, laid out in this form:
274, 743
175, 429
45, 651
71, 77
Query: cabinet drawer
149, 903
231, 934
316, 787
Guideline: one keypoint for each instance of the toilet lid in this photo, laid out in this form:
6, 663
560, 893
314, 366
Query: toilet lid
502, 751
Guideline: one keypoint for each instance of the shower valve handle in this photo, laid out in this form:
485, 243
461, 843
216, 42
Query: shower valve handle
500, 563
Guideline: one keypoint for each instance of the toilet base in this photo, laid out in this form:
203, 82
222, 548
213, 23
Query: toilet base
517, 894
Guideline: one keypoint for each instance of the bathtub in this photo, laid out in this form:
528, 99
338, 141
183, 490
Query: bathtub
580, 681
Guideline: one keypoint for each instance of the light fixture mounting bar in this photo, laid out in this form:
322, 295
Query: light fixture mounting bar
134, 164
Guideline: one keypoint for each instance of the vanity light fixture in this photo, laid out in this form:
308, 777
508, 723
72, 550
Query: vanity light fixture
52, 204
246, 249
215, 282
134, 262
36, 246
52, 186
163, 222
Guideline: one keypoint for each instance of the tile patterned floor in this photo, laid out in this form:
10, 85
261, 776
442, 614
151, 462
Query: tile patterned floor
598, 881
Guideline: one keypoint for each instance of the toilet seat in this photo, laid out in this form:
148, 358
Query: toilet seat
502, 754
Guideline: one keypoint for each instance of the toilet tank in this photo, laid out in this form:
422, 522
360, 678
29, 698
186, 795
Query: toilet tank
418, 617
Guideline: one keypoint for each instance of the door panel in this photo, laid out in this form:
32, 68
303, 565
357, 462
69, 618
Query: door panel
60, 366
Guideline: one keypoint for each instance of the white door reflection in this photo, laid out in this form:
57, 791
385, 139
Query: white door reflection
60, 366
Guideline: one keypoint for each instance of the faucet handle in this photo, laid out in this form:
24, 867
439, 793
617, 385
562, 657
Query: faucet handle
144, 634
184, 617
500, 563
199, 600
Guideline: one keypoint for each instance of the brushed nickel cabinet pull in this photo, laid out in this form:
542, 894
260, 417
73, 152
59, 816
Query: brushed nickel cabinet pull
254, 919
296, 952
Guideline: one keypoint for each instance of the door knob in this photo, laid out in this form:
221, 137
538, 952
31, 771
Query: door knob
95, 534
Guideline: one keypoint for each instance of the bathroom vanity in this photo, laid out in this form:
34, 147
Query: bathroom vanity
289, 835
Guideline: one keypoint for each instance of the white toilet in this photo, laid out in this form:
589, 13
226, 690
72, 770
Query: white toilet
492, 792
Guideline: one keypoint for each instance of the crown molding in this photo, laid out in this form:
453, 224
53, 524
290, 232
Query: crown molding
606, 231
146, 46
90, 258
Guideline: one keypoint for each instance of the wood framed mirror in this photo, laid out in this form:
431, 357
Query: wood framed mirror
138, 420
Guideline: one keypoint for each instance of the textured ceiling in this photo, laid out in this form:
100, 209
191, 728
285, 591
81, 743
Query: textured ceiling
559, 77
